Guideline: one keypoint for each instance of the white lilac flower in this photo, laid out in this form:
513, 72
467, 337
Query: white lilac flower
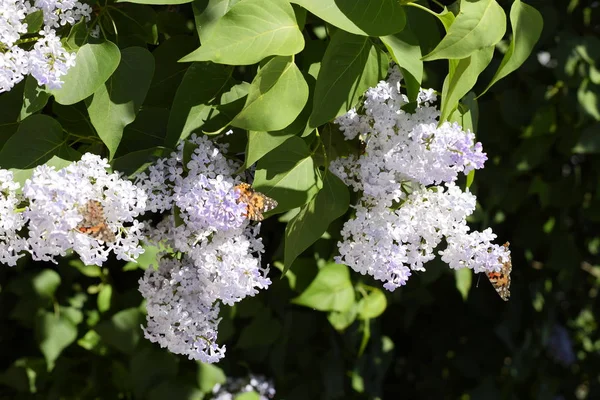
11, 221
12, 20
49, 61
403, 147
59, 13
14, 65
181, 317
57, 201
228, 263
236, 386
389, 244
205, 226
402, 216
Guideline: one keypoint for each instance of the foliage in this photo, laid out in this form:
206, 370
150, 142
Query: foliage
279, 72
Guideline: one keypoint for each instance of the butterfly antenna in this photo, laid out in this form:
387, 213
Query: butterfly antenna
478, 278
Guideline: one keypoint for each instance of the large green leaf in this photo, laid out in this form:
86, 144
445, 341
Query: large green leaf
201, 83
278, 85
479, 24
527, 24
369, 18
116, 103
35, 98
147, 131
462, 79
351, 65
406, 52
331, 290
314, 218
38, 138
54, 333
261, 143
288, 174
207, 13
168, 72
95, 63
250, 31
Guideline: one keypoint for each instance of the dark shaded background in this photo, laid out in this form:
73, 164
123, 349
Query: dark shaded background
539, 191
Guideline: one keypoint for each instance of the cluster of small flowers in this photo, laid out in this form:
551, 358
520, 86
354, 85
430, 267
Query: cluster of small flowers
50, 223
236, 386
220, 260
47, 60
410, 202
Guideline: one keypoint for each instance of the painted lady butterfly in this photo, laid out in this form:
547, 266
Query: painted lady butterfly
257, 203
94, 223
501, 280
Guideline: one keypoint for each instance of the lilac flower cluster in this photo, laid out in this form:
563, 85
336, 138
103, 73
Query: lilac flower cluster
236, 386
47, 61
54, 207
220, 252
409, 201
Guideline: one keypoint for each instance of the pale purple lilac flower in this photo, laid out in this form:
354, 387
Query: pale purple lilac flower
409, 202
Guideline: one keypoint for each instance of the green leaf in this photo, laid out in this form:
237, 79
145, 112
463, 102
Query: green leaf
278, 85
95, 63
34, 98
149, 367
53, 334
104, 298
147, 132
208, 376
251, 31
331, 290
406, 52
351, 65
11, 104
372, 305
288, 175
34, 21
248, 396
45, 283
470, 178
314, 218
138, 161
38, 138
207, 13
78, 36
342, 320
261, 143
462, 79
369, 18
464, 277
587, 95
201, 83
527, 24
116, 103
123, 330
480, 24
168, 72
91, 271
